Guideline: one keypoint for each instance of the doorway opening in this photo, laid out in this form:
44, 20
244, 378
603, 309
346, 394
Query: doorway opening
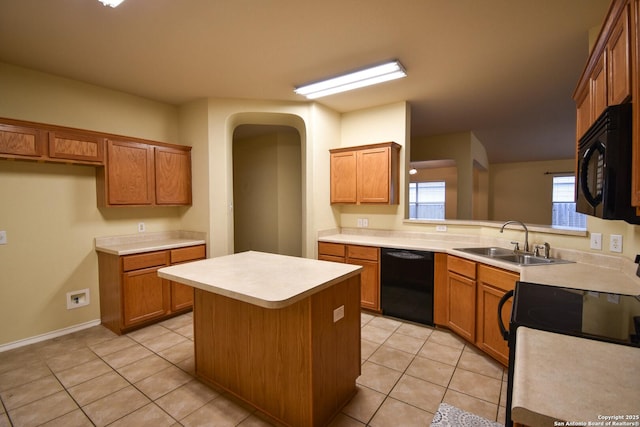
267, 189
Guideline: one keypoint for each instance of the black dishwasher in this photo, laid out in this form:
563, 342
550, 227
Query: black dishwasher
406, 285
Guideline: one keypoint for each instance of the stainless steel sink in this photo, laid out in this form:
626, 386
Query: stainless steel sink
508, 255
491, 251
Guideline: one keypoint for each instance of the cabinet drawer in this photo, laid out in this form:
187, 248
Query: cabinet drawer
334, 249
190, 253
149, 259
363, 252
462, 266
502, 279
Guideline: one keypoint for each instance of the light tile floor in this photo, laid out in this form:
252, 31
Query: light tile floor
145, 378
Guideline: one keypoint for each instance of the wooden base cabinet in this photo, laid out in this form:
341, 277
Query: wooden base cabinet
461, 297
131, 293
366, 256
470, 292
493, 283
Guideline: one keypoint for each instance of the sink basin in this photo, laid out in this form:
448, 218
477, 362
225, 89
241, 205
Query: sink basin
491, 251
508, 255
526, 259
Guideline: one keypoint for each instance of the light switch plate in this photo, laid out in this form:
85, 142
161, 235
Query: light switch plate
3, 237
596, 241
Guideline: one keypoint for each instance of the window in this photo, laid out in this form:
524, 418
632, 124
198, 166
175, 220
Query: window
564, 204
426, 200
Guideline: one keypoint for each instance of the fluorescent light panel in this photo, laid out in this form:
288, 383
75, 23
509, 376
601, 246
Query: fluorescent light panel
369, 76
112, 3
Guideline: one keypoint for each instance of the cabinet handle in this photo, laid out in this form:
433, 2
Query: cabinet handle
503, 300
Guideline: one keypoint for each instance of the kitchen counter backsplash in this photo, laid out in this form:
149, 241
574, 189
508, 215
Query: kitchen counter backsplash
147, 242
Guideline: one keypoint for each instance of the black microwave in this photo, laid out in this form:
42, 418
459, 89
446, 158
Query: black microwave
603, 181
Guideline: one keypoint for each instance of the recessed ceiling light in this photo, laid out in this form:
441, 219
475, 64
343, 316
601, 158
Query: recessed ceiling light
112, 3
365, 77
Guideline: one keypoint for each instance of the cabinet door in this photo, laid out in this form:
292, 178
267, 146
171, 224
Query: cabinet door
461, 305
172, 176
129, 173
374, 175
598, 89
145, 296
440, 289
76, 146
619, 61
182, 295
493, 283
489, 338
343, 177
583, 114
369, 283
20, 141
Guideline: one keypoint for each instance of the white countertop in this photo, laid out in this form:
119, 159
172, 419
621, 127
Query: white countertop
148, 242
263, 279
551, 383
590, 272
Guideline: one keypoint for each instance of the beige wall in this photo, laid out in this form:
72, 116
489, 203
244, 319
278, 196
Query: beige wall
466, 150
380, 124
522, 190
267, 193
50, 211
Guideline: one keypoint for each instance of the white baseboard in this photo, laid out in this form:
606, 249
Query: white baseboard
49, 335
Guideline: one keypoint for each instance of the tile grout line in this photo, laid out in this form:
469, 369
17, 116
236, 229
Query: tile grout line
456, 366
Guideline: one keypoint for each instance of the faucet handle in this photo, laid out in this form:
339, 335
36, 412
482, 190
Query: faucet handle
545, 246
517, 246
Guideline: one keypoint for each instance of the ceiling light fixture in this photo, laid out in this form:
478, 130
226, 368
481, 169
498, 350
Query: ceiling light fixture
366, 77
112, 3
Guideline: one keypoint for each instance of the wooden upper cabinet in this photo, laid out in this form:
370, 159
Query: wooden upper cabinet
598, 89
607, 77
344, 177
172, 176
374, 175
367, 174
618, 53
129, 173
583, 114
141, 174
21, 141
76, 146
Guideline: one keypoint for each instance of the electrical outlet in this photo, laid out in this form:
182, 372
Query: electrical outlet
338, 313
141, 227
77, 299
441, 228
596, 241
365, 222
359, 222
3, 237
615, 243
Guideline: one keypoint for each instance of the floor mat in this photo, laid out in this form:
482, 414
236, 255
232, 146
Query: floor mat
450, 416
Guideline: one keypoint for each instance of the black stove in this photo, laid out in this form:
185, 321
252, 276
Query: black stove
587, 314
601, 316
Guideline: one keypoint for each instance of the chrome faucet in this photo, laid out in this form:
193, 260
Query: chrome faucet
526, 233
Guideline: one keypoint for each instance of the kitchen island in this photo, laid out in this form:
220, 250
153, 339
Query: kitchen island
281, 333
